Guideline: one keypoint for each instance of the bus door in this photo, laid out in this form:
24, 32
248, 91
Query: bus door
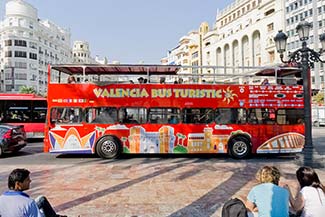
262, 121
67, 131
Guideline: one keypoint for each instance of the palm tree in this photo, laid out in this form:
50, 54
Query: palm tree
25, 89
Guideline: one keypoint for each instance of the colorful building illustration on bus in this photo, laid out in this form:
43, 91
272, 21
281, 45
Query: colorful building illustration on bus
206, 142
163, 141
141, 141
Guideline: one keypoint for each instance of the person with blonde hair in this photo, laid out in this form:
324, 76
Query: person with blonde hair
268, 197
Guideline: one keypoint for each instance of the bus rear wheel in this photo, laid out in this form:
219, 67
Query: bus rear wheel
108, 147
239, 147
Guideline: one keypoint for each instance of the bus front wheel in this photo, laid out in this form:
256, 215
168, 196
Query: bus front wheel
108, 147
239, 147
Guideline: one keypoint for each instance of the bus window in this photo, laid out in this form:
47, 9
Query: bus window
66, 115
261, 116
230, 116
254, 116
198, 115
102, 115
164, 115
39, 111
132, 115
290, 116
268, 116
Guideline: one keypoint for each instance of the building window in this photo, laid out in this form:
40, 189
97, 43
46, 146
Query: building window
21, 65
20, 54
271, 56
33, 56
8, 53
8, 42
195, 55
21, 43
269, 12
33, 45
270, 27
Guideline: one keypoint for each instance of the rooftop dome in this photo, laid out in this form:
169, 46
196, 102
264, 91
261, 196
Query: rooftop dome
20, 8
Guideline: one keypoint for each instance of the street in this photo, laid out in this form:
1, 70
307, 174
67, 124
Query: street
142, 185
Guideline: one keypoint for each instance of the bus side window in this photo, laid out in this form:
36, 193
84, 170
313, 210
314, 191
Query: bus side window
252, 118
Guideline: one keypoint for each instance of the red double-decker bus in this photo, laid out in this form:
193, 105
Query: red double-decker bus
24, 109
114, 117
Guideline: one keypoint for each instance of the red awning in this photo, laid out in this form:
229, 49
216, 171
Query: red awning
279, 71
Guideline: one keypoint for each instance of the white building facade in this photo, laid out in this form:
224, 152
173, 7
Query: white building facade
28, 45
243, 36
312, 11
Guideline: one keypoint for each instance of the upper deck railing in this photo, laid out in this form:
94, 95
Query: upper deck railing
172, 73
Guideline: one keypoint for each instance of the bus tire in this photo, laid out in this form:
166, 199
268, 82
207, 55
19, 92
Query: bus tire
108, 147
239, 147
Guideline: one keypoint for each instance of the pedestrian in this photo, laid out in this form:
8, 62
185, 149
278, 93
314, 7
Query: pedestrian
310, 199
16, 202
267, 197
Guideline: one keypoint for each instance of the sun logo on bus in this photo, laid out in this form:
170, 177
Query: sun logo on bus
229, 95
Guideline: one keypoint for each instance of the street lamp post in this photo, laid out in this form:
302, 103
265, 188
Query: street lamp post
304, 57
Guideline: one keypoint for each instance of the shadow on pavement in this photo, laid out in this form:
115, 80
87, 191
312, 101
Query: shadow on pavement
209, 203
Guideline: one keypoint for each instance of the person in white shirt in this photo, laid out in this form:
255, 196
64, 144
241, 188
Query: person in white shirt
310, 200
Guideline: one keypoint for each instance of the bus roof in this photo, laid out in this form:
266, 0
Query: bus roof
20, 96
129, 69
279, 71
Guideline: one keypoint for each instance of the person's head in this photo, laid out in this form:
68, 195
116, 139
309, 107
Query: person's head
162, 80
307, 176
71, 79
268, 174
141, 80
19, 180
145, 81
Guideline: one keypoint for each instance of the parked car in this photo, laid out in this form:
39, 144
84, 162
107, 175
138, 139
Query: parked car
318, 116
12, 138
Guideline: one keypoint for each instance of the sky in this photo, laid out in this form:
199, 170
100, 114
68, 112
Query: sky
129, 31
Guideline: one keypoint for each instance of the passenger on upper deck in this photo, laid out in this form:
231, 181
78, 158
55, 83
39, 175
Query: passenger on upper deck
141, 80
162, 80
71, 79
265, 82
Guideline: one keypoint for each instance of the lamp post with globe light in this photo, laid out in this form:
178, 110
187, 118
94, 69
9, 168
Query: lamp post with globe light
304, 57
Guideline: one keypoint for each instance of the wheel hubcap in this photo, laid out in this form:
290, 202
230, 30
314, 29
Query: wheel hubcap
240, 148
109, 147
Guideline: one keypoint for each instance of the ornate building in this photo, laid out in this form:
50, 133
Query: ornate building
27, 45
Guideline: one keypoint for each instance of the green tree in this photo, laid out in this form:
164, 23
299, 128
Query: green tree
319, 98
25, 89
